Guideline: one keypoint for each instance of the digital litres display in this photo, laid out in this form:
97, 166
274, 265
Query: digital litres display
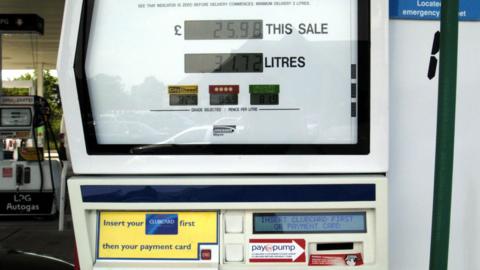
223, 63
268, 223
223, 29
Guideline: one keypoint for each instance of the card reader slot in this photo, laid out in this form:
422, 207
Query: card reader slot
334, 246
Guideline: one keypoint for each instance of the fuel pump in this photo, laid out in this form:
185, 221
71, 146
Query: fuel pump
227, 134
29, 181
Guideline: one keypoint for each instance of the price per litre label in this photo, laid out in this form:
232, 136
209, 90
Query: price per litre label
264, 94
155, 235
183, 95
224, 94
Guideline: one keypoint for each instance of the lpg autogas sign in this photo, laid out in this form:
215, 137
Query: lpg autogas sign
26, 203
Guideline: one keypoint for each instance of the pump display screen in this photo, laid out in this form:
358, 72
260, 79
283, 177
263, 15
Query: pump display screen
309, 223
228, 73
15, 117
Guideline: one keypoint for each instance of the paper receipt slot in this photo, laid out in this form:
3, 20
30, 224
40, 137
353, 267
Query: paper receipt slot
227, 134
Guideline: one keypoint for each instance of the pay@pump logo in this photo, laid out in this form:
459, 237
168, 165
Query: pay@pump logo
273, 247
161, 224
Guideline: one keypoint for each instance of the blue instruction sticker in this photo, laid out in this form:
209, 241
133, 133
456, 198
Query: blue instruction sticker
430, 10
161, 224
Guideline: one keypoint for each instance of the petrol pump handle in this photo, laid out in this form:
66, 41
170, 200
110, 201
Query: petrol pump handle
42, 118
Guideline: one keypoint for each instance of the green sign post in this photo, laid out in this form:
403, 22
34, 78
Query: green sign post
445, 135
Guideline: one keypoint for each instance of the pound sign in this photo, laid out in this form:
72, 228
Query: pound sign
177, 30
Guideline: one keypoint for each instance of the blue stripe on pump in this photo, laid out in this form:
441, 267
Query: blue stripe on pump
227, 193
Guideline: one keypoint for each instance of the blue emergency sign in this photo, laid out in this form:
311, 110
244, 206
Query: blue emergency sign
430, 10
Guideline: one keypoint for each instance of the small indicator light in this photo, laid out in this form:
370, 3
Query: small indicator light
206, 254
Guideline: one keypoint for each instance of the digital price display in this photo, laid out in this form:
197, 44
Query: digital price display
290, 66
15, 117
226, 29
278, 223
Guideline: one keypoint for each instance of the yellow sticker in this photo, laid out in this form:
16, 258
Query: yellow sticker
183, 89
155, 235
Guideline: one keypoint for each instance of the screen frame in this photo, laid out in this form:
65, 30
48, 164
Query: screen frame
363, 214
362, 147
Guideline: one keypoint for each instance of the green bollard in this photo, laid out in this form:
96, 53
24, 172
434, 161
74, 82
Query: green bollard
447, 88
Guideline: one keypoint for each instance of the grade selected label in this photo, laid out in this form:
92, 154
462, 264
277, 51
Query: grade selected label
155, 235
